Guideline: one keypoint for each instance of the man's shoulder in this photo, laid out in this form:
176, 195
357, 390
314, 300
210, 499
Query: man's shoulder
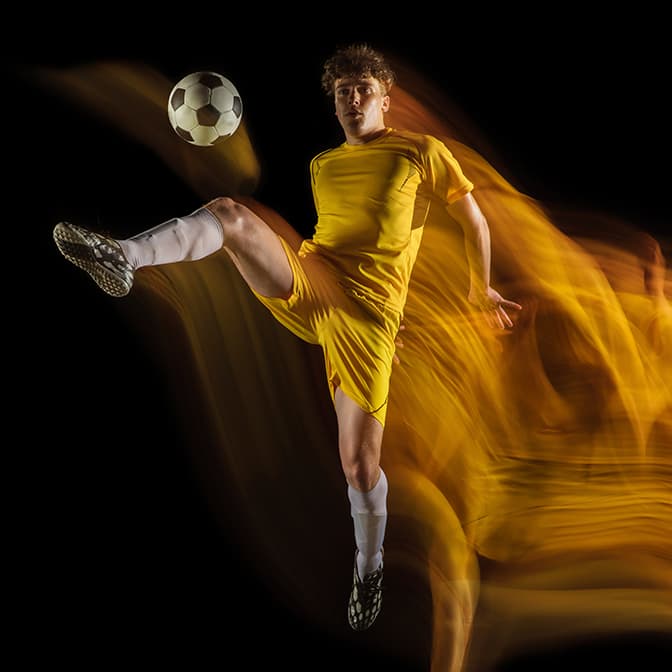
423, 146
323, 153
422, 141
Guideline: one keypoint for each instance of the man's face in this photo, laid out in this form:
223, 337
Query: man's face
360, 104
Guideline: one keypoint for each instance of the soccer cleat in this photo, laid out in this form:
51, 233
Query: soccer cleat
366, 598
101, 257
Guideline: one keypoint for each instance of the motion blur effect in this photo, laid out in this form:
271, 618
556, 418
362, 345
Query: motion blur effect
531, 503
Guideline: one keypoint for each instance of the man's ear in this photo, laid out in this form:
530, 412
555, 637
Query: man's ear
386, 103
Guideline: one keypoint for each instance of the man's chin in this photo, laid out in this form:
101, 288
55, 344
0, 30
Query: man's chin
353, 125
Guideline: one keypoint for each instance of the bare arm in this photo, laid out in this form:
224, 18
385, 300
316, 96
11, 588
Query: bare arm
468, 215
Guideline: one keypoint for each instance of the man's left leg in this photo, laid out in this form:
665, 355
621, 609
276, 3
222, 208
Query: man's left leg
360, 439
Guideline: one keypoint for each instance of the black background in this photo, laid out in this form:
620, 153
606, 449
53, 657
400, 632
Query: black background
108, 517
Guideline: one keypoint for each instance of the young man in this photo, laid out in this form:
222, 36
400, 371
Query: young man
346, 287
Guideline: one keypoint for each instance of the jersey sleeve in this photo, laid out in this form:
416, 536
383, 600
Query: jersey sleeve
445, 178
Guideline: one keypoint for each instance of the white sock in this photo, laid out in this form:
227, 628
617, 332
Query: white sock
369, 513
182, 239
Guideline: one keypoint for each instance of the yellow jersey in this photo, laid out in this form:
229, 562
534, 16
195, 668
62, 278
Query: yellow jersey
372, 202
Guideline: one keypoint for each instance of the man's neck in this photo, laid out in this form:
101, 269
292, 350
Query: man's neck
367, 137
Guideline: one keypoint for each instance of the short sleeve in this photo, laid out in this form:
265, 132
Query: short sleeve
444, 176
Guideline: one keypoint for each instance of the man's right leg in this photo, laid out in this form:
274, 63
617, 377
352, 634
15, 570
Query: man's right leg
253, 246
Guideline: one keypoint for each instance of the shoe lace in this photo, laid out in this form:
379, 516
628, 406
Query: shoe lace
371, 585
112, 251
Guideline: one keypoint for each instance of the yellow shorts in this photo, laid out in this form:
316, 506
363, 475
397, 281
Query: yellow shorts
357, 338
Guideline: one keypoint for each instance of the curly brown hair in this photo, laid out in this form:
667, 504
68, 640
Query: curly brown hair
356, 60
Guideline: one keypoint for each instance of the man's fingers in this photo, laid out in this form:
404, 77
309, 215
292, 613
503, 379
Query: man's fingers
503, 316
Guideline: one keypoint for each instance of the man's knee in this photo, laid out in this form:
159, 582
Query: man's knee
361, 473
233, 217
224, 208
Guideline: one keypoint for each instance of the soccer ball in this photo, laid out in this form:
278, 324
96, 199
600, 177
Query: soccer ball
204, 108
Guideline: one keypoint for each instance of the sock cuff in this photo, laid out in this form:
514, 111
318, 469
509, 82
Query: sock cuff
373, 502
208, 217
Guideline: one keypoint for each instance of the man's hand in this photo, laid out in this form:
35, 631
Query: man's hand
494, 307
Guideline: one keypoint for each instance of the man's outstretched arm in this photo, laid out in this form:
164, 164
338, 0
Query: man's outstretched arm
469, 216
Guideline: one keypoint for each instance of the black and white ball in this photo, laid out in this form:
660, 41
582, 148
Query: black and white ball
205, 108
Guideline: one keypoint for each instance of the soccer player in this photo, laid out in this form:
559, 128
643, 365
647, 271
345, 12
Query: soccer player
346, 287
